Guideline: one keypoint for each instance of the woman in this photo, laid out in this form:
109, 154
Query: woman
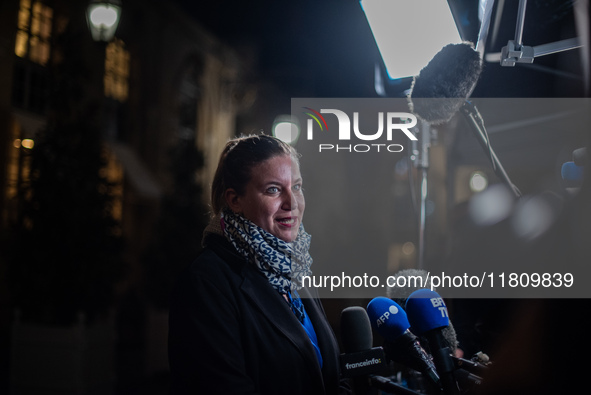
239, 320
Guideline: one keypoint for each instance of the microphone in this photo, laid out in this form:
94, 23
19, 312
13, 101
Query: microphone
359, 358
415, 279
361, 361
573, 172
391, 322
473, 367
450, 76
428, 316
580, 156
570, 171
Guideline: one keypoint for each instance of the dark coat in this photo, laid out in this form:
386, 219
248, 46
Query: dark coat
232, 333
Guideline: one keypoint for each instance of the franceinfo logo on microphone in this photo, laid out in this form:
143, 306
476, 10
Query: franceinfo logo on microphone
387, 191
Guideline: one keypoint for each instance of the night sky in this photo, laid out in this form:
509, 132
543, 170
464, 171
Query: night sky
310, 48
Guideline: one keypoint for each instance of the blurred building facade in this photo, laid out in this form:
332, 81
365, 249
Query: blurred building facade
162, 80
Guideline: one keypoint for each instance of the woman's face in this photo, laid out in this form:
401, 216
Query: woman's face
273, 199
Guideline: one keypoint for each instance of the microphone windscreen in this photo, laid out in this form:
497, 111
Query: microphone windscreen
408, 281
449, 77
356, 333
580, 156
387, 317
426, 310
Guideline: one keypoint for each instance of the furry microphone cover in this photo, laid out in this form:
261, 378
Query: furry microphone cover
450, 76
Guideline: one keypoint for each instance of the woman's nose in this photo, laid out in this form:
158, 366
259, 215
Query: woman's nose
289, 202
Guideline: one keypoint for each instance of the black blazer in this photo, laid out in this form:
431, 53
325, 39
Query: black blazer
230, 332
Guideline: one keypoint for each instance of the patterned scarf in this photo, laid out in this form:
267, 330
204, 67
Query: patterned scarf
284, 264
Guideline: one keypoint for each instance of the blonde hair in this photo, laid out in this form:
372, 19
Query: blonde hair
238, 158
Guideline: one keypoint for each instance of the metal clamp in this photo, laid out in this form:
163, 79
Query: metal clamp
512, 54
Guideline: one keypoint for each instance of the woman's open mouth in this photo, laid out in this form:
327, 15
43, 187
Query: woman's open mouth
289, 221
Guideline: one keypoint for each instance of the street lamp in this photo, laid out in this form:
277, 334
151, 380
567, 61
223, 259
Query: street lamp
103, 17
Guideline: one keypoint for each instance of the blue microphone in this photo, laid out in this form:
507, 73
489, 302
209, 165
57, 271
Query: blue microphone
427, 314
389, 320
387, 317
426, 311
573, 173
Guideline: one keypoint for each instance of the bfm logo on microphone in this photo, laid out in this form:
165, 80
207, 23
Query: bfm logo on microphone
438, 303
394, 121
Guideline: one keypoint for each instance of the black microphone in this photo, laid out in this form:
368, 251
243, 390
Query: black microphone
359, 358
428, 315
580, 156
451, 77
473, 367
466, 380
390, 321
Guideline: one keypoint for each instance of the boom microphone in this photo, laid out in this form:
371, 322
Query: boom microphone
442, 88
450, 77
428, 315
391, 322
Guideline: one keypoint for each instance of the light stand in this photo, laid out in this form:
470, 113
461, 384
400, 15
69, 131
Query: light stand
421, 161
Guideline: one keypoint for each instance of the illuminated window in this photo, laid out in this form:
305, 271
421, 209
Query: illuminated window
33, 31
116, 71
18, 171
113, 172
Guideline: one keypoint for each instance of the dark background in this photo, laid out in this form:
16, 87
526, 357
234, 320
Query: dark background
324, 48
